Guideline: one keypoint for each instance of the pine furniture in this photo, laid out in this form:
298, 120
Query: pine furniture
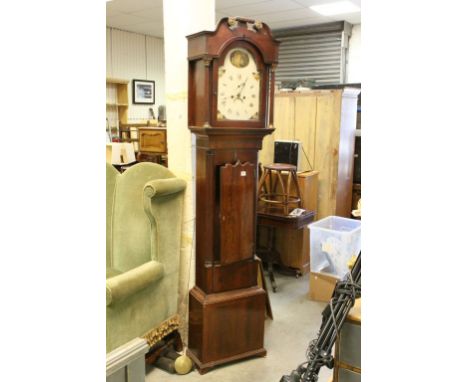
325, 122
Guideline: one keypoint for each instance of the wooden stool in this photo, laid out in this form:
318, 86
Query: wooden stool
281, 199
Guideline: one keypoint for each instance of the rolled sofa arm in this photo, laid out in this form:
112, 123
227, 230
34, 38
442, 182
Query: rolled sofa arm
128, 283
163, 187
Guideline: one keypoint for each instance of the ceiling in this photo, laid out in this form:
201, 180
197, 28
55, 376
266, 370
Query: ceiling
146, 16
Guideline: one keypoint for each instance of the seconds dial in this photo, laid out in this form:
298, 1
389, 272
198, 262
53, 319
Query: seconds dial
238, 87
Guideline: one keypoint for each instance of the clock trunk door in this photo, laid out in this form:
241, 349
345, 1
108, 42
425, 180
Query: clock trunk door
237, 209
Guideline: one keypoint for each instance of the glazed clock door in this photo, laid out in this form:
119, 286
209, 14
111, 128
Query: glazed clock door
238, 87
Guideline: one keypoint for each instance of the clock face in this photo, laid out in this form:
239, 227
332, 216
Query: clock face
238, 87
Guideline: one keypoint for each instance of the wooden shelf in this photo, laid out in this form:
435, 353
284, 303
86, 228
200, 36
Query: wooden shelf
117, 81
139, 124
117, 104
120, 103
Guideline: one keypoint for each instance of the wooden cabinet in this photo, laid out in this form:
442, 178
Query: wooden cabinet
116, 104
348, 348
325, 122
149, 140
293, 245
356, 195
153, 145
153, 140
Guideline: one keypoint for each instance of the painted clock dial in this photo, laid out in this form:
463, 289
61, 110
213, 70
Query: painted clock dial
238, 87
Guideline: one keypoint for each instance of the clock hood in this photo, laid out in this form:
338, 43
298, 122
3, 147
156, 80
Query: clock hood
232, 29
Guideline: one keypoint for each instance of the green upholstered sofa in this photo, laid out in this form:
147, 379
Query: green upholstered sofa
144, 223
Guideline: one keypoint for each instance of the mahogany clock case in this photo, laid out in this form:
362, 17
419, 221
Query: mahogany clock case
207, 52
227, 307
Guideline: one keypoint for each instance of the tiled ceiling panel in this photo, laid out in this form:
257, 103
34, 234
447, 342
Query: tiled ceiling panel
146, 16
130, 6
150, 29
286, 16
263, 7
297, 22
230, 3
308, 3
125, 19
154, 14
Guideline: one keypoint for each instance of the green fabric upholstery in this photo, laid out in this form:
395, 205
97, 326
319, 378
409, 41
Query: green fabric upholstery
144, 225
163, 187
111, 180
121, 286
111, 272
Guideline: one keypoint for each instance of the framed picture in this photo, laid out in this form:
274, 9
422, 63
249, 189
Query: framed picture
143, 92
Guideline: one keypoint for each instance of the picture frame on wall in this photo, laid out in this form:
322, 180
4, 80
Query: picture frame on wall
143, 92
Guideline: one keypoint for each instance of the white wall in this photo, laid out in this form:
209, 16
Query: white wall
353, 68
136, 56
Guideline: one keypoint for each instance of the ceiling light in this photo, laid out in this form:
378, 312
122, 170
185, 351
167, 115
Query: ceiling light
337, 8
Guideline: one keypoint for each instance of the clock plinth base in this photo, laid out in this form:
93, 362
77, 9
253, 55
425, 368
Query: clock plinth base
204, 368
225, 327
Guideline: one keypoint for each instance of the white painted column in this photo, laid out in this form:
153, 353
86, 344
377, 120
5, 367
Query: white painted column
181, 18
353, 69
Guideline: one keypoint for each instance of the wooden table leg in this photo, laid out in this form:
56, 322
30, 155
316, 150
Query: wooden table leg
271, 256
272, 276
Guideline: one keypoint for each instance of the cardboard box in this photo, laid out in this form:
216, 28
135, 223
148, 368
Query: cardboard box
321, 286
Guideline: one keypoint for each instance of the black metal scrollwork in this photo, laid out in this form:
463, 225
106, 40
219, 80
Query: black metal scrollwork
333, 316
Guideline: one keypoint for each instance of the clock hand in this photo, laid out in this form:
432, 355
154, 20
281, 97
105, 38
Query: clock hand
243, 85
241, 89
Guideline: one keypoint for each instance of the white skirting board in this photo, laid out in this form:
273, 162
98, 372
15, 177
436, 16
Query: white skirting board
127, 362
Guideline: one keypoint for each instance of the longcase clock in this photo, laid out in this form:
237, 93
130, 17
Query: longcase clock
231, 88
